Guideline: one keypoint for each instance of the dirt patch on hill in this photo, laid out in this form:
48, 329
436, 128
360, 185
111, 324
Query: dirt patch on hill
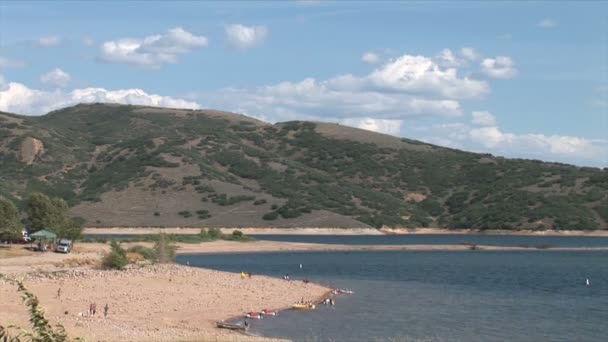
30, 149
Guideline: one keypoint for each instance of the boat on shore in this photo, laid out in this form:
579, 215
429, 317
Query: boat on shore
254, 315
232, 326
300, 306
268, 312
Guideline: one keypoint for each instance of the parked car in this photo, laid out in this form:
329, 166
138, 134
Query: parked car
64, 246
25, 237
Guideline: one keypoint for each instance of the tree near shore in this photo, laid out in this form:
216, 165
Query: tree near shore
10, 221
52, 214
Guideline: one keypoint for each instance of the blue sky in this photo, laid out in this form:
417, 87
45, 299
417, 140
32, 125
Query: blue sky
519, 79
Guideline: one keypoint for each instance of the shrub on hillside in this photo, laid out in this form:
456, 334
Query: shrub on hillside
214, 233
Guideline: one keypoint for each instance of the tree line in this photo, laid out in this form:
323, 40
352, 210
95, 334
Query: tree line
41, 212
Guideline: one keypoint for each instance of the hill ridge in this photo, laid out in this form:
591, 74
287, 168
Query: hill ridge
125, 165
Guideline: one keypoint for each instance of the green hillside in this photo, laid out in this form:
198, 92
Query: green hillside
121, 165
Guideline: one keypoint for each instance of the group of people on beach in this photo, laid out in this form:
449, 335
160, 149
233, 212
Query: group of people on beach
93, 310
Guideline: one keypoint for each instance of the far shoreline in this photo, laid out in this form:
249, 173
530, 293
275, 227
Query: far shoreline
344, 231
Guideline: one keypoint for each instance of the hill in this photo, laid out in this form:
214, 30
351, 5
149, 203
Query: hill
119, 165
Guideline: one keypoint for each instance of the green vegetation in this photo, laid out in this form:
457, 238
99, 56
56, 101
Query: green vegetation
10, 221
223, 199
42, 330
52, 214
299, 167
116, 259
145, 252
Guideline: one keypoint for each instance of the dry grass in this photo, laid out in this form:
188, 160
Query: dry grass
75, 262
13, 251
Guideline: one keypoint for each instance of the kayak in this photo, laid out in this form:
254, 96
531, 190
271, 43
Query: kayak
303, 306
268, 313
255, 315
231, 326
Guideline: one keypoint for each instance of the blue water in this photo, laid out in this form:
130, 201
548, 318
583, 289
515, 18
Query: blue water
438, 296
445, 239
430, 239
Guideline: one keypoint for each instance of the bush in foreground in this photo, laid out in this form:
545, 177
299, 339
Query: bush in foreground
42, 331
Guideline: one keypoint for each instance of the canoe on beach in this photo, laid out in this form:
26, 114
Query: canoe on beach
231, 326
303, 306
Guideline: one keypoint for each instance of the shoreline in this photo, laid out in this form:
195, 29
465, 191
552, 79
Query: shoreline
153, 302
344, 231
228, 247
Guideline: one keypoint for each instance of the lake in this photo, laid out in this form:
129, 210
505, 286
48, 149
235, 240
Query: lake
438, 296
425, 239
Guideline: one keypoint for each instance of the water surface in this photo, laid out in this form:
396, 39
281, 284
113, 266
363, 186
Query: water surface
438, 296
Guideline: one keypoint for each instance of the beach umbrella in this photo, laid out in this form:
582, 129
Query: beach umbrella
43, 235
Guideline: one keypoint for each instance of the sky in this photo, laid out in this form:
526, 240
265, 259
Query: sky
514, 79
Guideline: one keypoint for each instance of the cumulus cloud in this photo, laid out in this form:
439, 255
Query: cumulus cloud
370, 58
10, 63
539, 144
492, 139
447, 58
469, 53
419, 74
408, 86
152, 51
246, 37
392, 127
56, 77
499, 67
18, 98
547, 23
48, 41
483, 118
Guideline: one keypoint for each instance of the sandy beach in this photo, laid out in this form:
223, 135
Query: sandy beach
342, 231
149, 303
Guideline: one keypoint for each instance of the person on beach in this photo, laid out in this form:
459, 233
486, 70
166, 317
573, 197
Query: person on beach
105, 310
59, 293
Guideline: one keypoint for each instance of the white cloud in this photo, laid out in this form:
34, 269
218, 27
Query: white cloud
246, 37
547, 23
56, 77
499, 67
406, 87
573, 148
49, 41
469, 53
392, 127
18, 98
10, 63
370, 58
491, 139
483, 118
419, 74
447, 58
152, 51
